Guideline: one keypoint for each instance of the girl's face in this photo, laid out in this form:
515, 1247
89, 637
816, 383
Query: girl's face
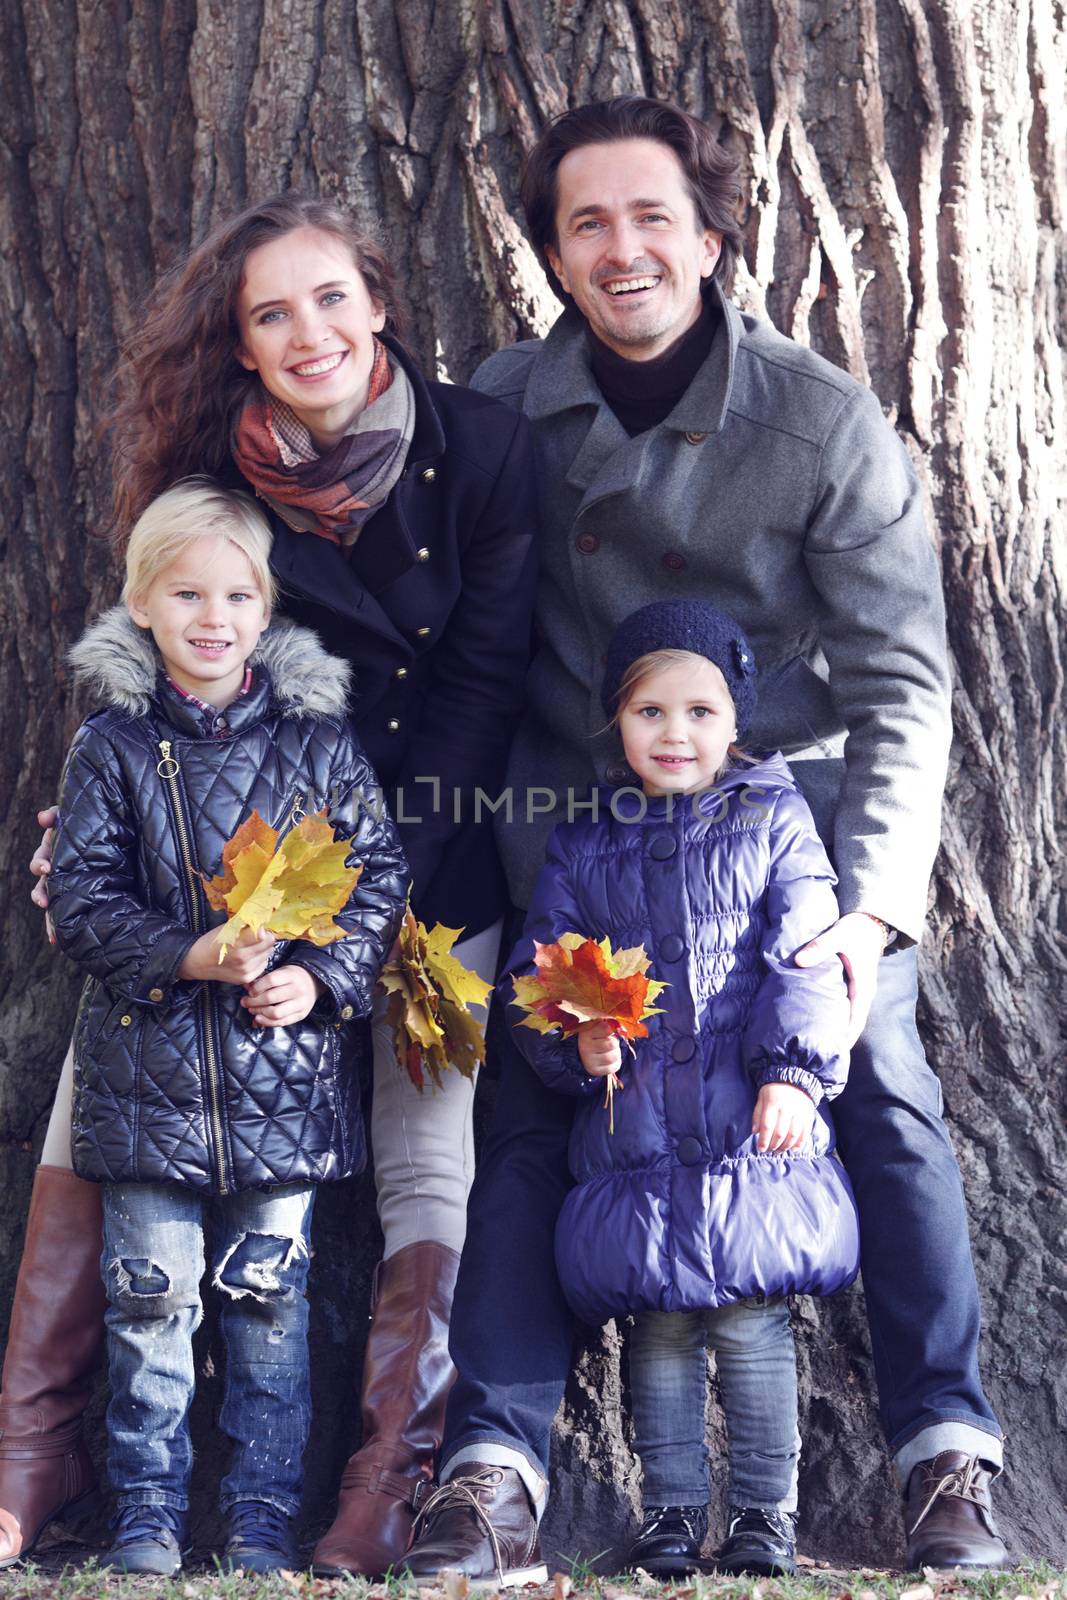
206, 612
307, 326
677, 727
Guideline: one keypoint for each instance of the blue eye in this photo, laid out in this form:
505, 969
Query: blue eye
332, 297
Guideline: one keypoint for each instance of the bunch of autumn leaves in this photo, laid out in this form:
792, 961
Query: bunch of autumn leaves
295, 889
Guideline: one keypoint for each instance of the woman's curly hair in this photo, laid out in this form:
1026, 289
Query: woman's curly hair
179, 384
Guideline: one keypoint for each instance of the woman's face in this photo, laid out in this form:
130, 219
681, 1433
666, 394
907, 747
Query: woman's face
307, 326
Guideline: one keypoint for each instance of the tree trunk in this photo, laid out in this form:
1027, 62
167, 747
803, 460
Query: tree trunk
907, 180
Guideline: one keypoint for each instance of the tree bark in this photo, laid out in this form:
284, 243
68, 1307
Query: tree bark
906, 185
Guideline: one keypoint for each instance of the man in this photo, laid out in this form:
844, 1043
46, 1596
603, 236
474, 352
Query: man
686, 449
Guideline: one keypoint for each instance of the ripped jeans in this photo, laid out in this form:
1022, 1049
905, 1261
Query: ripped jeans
153, 1261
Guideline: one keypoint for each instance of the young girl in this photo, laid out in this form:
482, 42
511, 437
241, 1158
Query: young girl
717, 1195
207, 1089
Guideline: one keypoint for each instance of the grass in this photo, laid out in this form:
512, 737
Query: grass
54, 1581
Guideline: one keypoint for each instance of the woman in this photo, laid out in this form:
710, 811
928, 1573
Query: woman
402, 518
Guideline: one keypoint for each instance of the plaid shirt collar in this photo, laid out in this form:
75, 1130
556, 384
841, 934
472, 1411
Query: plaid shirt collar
204, 705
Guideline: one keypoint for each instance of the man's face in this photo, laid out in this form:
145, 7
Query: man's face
631, 250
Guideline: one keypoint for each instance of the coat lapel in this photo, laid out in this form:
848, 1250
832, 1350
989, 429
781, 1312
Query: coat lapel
608, 462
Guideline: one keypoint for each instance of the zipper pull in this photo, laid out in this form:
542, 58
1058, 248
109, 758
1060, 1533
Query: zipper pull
167, 761
298, 813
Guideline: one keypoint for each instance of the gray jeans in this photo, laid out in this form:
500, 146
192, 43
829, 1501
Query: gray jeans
756, 1363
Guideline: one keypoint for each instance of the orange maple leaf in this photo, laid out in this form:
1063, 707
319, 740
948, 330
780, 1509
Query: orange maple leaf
578, 980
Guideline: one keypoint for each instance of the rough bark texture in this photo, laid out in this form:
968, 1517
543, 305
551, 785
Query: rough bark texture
907, 181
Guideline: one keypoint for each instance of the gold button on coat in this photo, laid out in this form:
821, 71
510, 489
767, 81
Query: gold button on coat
423, 554
155, 994
428, 476
346, 1012
422, 633
401, 673
126, 1021
392, 726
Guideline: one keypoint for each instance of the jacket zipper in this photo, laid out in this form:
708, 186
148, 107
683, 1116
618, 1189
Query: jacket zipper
168, 770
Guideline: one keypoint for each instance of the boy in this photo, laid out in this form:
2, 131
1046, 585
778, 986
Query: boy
206, 1086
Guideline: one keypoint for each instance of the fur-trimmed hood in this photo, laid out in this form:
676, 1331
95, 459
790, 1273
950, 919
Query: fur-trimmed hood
119, 663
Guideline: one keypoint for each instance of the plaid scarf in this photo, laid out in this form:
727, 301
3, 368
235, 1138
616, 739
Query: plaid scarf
330, 495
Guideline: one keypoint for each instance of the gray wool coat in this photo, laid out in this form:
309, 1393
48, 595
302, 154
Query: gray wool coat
777, 490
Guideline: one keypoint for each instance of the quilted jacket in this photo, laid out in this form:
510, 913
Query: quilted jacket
675, 1210
173, 1081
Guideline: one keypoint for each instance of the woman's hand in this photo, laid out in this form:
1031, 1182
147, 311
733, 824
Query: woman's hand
41, 863
598, 1046
783, 1117
245, 960
282, 997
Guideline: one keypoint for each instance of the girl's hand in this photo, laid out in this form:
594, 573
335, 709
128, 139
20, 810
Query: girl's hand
245, 959
599, 1049
783, 1117
282, 997
41, 863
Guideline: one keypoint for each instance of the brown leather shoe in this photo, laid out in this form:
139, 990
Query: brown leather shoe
406, 1378
54, 1339
481, 1524
948, 1515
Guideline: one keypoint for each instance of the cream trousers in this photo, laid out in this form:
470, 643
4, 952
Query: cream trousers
423, 1144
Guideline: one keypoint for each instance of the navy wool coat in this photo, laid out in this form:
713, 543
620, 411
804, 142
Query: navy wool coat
675, 1210
173, 1081
432, 607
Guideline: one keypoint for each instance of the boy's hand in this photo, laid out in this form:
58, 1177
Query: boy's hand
245, 959
599, 1049
282, 997
783, 1117
41, 861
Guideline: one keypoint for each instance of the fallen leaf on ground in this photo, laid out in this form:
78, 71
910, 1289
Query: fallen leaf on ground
455, 1584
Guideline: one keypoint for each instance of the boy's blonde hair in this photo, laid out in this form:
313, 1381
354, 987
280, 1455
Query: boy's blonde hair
192, 508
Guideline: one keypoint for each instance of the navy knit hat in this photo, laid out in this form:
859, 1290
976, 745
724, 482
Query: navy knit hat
684, 625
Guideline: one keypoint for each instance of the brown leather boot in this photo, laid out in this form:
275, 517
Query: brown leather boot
406, 1378
948, 1515
54, 1339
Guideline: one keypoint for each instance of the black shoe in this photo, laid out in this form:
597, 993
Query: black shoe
669, 1540
480, 1524
763, 1542
260, 1539
147, 1539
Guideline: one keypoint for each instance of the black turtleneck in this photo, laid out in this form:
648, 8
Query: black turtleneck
643, 393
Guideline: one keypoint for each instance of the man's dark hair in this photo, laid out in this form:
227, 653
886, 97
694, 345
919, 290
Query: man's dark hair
711, 171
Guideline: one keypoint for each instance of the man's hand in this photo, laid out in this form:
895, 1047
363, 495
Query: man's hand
859, 941
282, 997
41, 862
599, 1049
783, 1117
245, 959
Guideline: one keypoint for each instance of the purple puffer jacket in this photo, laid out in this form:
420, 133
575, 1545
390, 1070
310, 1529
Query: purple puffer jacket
676, 1211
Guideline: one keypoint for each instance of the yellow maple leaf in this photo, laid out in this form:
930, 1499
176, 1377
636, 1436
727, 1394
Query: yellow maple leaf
429, 992
293, 890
